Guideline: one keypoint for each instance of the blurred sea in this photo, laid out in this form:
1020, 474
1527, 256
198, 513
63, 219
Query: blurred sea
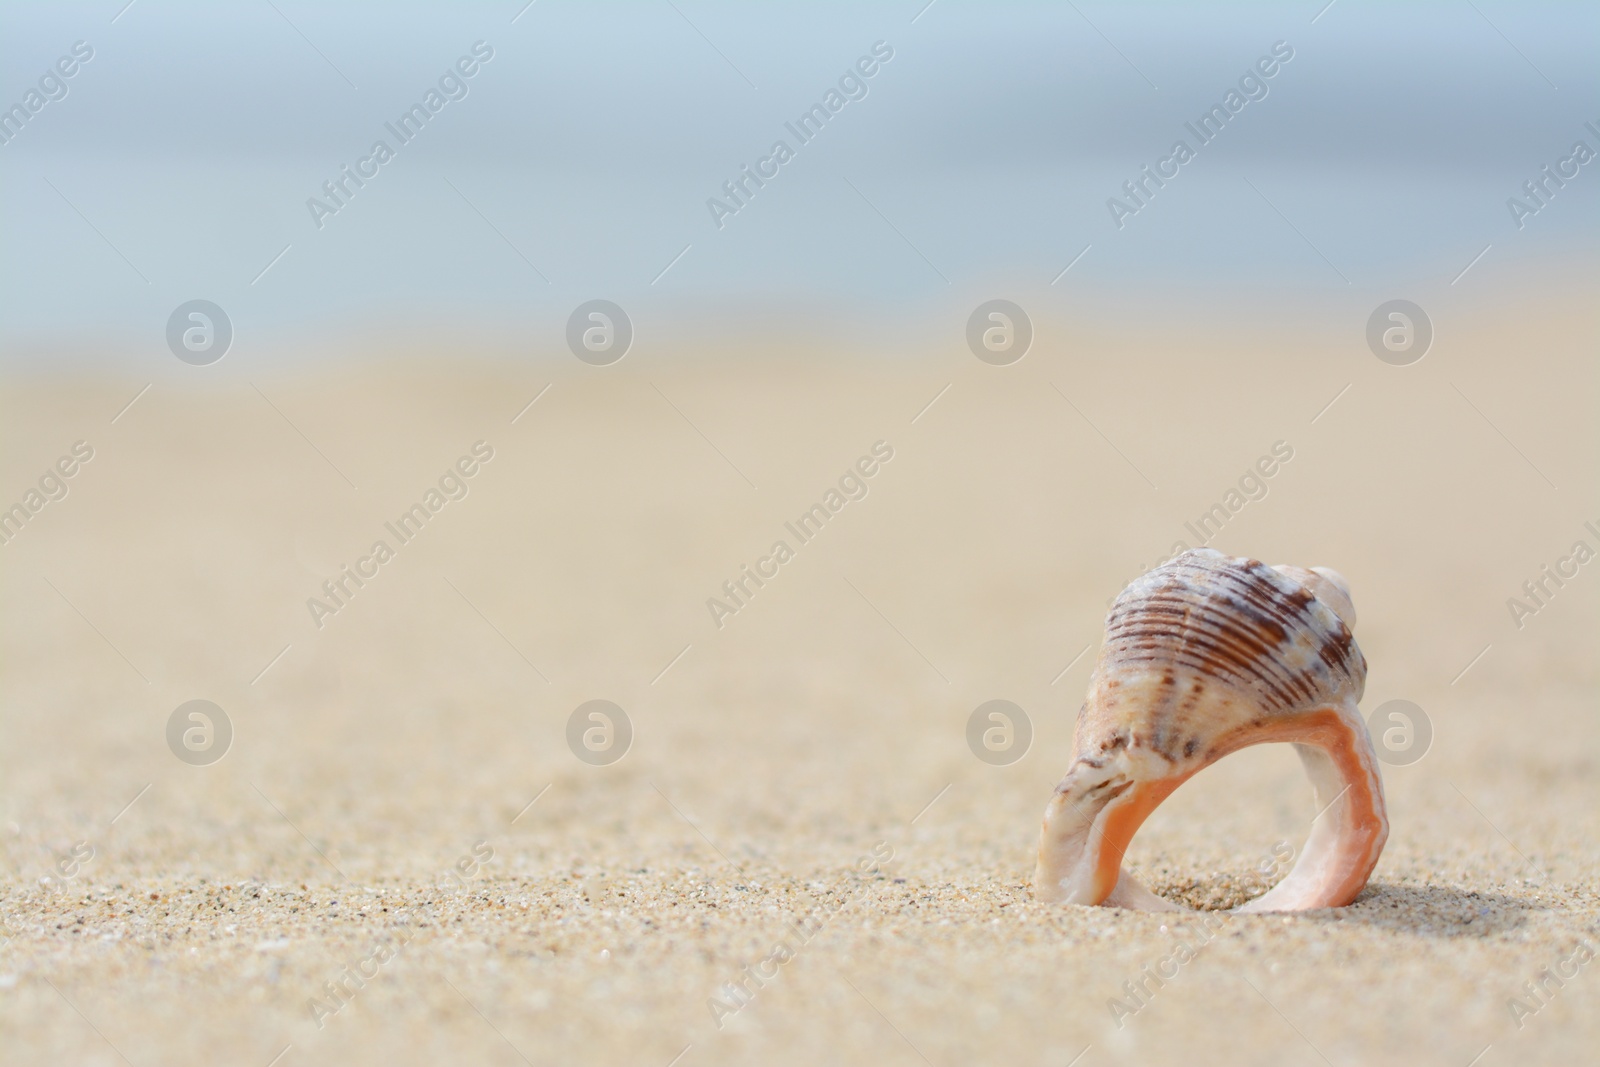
580, 161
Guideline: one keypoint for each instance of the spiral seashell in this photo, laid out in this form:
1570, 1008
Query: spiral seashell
1203, 656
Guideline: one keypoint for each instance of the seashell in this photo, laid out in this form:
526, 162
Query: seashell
1203, 656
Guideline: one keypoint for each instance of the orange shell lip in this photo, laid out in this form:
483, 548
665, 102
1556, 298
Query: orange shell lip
1096, 812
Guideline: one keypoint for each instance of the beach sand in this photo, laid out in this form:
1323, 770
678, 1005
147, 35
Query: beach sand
399, 800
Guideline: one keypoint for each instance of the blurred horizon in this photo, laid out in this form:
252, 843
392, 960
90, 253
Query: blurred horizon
979, 163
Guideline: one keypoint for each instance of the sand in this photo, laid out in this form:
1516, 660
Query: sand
399, 860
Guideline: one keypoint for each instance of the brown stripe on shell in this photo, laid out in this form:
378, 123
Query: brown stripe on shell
1239, 622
